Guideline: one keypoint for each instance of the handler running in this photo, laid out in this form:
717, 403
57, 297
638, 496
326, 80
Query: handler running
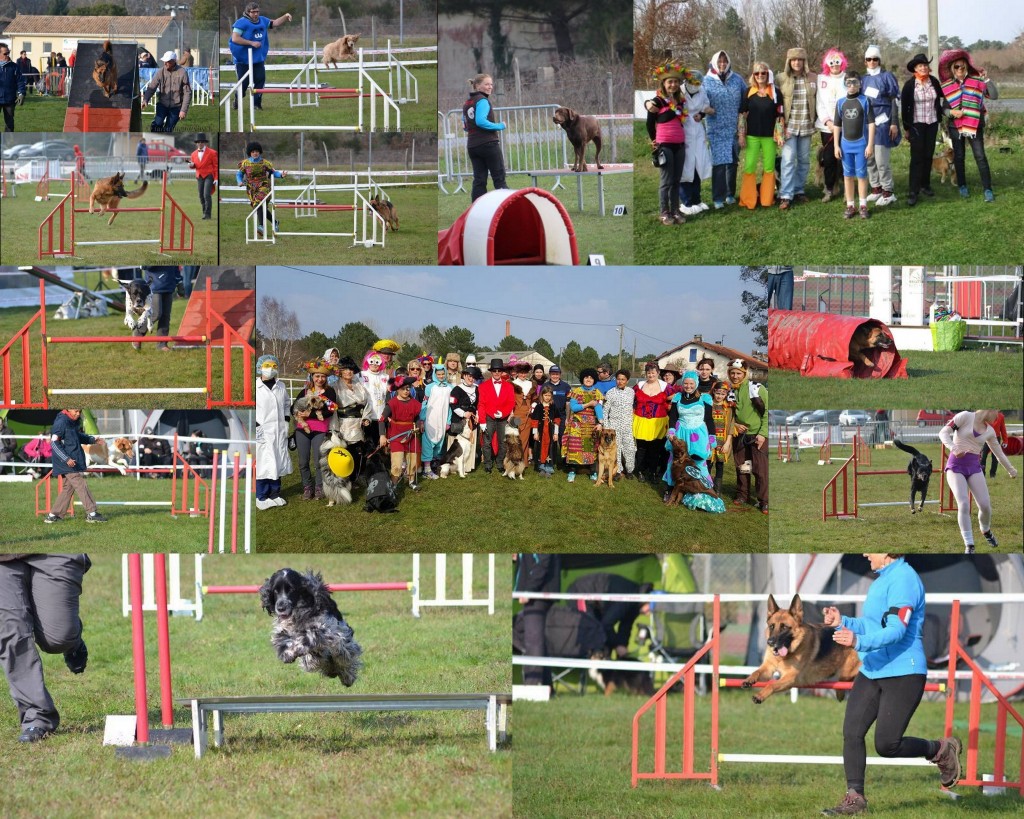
891, 680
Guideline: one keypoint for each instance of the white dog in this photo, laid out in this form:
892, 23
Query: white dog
465, 459
138, 305
99, 454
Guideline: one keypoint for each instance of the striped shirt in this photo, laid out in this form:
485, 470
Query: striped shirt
800, 121
924, 103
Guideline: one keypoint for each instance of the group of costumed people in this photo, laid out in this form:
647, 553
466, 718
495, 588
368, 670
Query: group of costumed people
699, 122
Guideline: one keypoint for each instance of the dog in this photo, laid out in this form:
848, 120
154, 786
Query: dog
685, 475
308, 405
610, 680
799, 653
920, 471
462, 452
580, 129
98, 454
138, 306
337, 490
387, 211
108, 193
515, 460
104, 70
344, 48
943, 165
308, 626
864, 340
607, 457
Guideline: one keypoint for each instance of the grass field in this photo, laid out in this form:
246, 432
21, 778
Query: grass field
818, 233
583, 767
97, 365
415, 242
796, 524
609, 235
935, 379
20, 220
535, 512
372, 764
47, 114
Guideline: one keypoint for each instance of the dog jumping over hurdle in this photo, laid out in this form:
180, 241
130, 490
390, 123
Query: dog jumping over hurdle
98, 453
138, 306
387, 211
344, 48
108, 193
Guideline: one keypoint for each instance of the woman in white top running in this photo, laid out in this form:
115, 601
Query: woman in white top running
965, 436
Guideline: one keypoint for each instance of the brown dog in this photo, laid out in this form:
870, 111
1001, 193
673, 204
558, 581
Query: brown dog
580, 129
943, 165
799, 653
515, 460
99, 454
684, 481
388, 212
866, 339
108, 193
607, 457
104, 70
341, 49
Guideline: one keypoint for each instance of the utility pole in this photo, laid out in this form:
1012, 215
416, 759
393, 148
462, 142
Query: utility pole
621, 330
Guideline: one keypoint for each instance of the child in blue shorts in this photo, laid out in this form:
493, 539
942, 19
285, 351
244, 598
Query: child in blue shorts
853, 131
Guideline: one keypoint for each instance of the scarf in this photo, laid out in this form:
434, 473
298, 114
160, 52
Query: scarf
970, 97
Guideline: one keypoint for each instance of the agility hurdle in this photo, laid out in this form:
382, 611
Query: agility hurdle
214, 322
219, 510
307, 205
177, 232
176, 603
686, 675
835, 495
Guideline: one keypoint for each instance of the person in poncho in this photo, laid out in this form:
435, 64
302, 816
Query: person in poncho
254, 174
584, 422
965, 88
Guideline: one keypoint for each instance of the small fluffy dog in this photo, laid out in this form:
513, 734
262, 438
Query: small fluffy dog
515, 461
108, 193
580, 129
344, 48
388, 212
99, 454
308, 626
104, 71
607, 455
337, 490
920, 471
685, 474
943, 165
309, 405
138, 305
611, 680
864, 340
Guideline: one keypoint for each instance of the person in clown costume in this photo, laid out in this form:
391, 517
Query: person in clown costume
831, 89
436, 415
272, 416
696, 426
375, 378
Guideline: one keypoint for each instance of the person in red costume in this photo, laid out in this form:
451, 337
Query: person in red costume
497, 401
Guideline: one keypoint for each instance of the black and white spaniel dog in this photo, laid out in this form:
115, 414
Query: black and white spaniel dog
308, 625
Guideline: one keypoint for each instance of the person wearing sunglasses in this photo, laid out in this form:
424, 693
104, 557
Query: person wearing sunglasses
761, 129
882, 90
965, 88
831, 89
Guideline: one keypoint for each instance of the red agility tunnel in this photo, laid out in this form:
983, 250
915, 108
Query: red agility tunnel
507, 227
818, 344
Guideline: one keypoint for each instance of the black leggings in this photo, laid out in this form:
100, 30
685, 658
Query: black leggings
892, 702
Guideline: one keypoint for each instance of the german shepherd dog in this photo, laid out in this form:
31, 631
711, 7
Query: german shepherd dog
607, 457
387, 211
920, 471
800, 653
864, 340
108, 193
104, 70
611, 680
684, 472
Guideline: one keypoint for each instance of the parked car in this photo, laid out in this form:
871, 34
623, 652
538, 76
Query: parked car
820, 417
15, 150
854, 418
49, 149
165, 153
925, 417
797, 417
776, 418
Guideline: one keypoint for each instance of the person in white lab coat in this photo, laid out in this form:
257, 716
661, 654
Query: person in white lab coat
272, 458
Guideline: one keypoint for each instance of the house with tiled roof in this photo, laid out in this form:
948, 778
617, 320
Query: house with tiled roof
41, 34
686, 356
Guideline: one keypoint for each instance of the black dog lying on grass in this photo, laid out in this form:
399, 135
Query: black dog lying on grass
920, 471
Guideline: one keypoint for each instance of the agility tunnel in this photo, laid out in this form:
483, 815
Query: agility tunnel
507, 227
818, 344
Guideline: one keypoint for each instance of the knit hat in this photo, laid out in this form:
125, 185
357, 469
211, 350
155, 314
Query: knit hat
690, 374
873, 51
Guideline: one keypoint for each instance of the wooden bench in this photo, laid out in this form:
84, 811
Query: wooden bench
495, 705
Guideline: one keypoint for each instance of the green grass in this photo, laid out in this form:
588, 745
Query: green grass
818, 233
46, 114
935, 378
415, 242
583, 767
609, 235
361, 764
796, 524
114, 365
19, 228
549, 513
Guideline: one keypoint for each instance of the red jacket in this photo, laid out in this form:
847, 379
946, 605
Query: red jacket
208, 167
492, 404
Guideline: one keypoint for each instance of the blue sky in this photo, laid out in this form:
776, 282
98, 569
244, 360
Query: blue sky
970, 21
666, 304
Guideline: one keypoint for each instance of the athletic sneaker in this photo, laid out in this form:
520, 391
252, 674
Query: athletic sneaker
851, 211
278, 501
572, 477
964, 192
33, 734
887, 198
875, 195
989, 196
864, 213
77, 658
430, 474
948, 760
267, 503
852, 804
704, 206
52, 518
95, 517
969, 549
593, 477
730, 200
990, 538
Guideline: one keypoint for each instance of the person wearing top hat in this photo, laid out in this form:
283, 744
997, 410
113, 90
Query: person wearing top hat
171, 81
921, 107
496, 403
204, 161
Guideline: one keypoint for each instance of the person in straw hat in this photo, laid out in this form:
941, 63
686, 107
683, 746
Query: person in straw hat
665, 115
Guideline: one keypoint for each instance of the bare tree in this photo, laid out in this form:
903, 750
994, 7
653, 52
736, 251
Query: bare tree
279, 328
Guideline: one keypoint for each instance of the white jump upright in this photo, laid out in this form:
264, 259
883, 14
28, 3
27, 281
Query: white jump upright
177, 603
441, 597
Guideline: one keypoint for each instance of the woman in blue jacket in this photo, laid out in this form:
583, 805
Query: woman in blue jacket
891, 679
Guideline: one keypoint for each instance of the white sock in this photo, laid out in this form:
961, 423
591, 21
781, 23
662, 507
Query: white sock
849, 203
863, 203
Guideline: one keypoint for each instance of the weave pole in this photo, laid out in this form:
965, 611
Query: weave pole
213, 496
138, 649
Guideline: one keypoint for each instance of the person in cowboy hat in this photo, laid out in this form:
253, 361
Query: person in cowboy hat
921, 107
496, 403
665, 115
313, 409
171, 81
204, 162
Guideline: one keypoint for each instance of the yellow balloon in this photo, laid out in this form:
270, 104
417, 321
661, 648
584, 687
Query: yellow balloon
341, 462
